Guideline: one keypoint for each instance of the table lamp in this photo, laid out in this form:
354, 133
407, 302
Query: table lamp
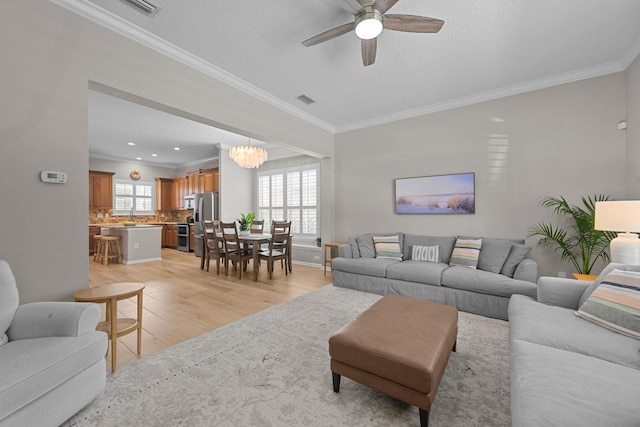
622, 217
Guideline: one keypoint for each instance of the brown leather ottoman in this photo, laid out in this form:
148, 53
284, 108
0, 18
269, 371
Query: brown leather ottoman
399, 346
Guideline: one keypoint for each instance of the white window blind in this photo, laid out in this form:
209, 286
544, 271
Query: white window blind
290, 195
138, 196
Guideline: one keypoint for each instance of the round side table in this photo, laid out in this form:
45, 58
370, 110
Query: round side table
110, 295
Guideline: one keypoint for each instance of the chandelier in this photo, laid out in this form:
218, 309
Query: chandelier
247, 156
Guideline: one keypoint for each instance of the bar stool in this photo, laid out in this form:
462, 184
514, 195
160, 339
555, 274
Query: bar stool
97, 248
111, 249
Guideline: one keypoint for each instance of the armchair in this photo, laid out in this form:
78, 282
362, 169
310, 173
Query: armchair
51, 357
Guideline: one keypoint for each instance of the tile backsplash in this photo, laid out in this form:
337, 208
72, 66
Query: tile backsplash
103, 216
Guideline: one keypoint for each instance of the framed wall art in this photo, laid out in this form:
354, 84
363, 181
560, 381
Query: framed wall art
438, 194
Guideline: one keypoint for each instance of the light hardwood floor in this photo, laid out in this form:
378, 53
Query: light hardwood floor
181, 301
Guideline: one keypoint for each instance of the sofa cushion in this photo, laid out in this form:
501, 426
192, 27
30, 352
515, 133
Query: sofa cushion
560, 328
615, 303
551, 387
466, 253
376, 267
33, 367
8, 299
605, 271
387, 247
493, 254
428, 273
517, 253
355, 251
446, 244
425, 253
486, 283
365, 243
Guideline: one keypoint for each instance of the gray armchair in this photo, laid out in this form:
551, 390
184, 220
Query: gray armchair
51, 357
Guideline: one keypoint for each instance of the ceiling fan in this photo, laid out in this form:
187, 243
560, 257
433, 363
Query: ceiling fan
370, 20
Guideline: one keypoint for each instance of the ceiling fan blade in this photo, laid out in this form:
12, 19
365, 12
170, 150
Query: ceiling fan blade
369, 51
352, 6
412, 23
330, 34
384, 5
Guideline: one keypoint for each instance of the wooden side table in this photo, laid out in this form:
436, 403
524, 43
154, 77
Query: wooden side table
329, 259
110, 295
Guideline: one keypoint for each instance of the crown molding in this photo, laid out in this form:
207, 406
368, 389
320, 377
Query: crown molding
117, 24
586, 73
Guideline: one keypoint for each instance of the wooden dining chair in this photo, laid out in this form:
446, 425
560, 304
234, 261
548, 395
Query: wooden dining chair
257, 226
213, 245
278, 247
234, 251
282, 227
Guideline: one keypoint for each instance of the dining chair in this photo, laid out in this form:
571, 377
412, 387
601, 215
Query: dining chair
257, 226
213, 245
282, 227
278, 247
234, 250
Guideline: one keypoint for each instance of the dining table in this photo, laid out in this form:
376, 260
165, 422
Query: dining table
256, 239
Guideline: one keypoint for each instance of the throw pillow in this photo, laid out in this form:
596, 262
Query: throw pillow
615, 303
425, 253
516, 255
387, 247
8, 299
494, 254
466, 253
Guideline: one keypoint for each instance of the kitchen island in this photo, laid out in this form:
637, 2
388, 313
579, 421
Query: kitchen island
139, 243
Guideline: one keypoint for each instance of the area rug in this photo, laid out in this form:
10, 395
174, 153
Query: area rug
272, 369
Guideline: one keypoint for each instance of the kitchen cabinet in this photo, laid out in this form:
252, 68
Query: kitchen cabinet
170, 236
179, 191
94, 230
164, 194
203, 181
192, 238
100, 190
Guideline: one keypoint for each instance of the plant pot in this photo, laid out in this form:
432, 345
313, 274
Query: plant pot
586, 277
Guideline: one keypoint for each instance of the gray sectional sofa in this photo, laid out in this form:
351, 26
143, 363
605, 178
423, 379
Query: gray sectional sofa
504, 269
567, 371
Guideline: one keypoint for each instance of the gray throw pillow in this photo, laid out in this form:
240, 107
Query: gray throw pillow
493, 254
516, 255
8, 299
355, 252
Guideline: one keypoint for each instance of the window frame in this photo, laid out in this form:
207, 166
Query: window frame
285, 207
134, 196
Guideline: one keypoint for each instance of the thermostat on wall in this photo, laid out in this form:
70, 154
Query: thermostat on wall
53, 177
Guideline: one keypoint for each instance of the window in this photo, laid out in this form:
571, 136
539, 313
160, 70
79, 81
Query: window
290, 195
138, 196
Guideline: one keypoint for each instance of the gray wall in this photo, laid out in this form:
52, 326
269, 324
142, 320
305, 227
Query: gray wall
49, 58
633, 129
123, 169
558, 141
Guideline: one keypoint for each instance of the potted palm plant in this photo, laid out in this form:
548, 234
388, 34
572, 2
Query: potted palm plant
579, 243
245, 221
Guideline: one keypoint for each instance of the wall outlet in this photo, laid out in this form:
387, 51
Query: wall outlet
562, 274
316, 258
136, 245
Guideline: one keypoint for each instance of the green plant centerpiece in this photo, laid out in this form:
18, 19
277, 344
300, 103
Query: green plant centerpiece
579, 243
245, 221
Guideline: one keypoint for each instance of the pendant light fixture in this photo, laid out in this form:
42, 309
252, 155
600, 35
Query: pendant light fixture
247, 156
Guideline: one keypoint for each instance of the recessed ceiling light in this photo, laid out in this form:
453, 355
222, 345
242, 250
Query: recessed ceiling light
154, 155
176, 148
131, 143
138, 158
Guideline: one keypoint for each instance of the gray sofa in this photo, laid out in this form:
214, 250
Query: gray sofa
567, 371
504, 269
51, 358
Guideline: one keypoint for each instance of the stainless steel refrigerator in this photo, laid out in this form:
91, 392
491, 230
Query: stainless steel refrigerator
206, 209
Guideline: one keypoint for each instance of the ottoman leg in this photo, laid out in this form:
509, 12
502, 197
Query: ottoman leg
336, 382
424, 418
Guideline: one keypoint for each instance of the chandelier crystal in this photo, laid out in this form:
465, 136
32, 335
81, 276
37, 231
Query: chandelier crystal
247, 156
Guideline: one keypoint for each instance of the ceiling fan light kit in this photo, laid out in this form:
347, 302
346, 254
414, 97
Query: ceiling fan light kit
370, 20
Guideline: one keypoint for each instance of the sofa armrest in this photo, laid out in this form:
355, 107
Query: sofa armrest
527, 270
561, 292
53, 319
344, 251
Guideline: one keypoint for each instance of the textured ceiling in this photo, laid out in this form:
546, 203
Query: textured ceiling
486, 49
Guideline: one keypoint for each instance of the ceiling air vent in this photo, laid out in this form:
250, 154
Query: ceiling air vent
144, 6
305, 99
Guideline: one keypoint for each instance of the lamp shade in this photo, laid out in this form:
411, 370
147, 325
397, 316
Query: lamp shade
620, 216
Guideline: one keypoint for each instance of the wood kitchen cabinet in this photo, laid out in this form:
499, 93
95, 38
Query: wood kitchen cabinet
179, 191
170, 236
100, 190
203, 181
192, 238
164, 194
